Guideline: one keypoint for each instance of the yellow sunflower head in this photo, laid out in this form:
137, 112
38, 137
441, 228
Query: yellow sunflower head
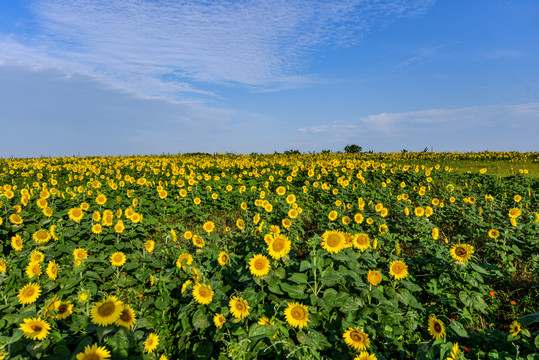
333, 241
203, 294
279, 246
462, 252
356, 338
398, 269
106, 312
239, 307
94, 352
259, 265
436, 328
297, 315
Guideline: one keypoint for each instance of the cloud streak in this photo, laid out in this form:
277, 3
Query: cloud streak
162, 48
461, 129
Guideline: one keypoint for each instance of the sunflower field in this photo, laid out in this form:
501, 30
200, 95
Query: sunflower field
283, 256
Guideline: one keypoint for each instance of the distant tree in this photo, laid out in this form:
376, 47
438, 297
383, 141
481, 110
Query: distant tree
353, 149
292, 152
404, 151
426, 149
325, 152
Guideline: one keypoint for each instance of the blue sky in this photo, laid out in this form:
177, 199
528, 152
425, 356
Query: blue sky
121, 77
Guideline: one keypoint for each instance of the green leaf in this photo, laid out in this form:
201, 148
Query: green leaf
61, 352
528, 319
478, 268
458, 328
536, 342
294, 291
330, 277
259, 331
200, 320
304, 266
298, 278
203, 350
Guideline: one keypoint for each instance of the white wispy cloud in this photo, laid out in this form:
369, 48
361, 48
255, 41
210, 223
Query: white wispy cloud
162, 48
473, 128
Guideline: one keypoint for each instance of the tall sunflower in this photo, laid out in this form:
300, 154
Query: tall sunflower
223, 258
219, 320
198, 241
29, 293
75, 214
374, 277
127, 317
239, 307
184, 260
398, 269
151, 342
107, 311
94, 353
333, 241
462, 252
17, 242
279, 246
208, 226
35, 328
361, 241
514, 328
436, 328
33, 269
356, 338
297, 315
365, 356
64, 310
118, 259
203, 294
52, 270
493, 233
259, 265
41, 236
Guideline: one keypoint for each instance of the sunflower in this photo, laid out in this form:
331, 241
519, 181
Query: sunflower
186, 285
3, 266
333, 241
94, 353
297, 315
454, 352
361, 241
37, 256
365, 356
286, 223
96, 216
151, 342
203, 294
493, 233
436, 328
435, 233
332, 216
149, 246
265, 321
198, 241
240, 224
219, 320
184, 260
462, 252
259, 265
35, 328
75, 214
15, 219
127, 317
223, 258
64, 310
398, 269
97, 229
80, 254
428, 211
52, 270
33, 269
101, 199
106, 312
281, 190
239, 307
208, 226
118, 259
41, 236
119, 227
17, 242
514, 213
290, 199
374, 277
419, 211
279, 247
514, 328
358, 218
356, 338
